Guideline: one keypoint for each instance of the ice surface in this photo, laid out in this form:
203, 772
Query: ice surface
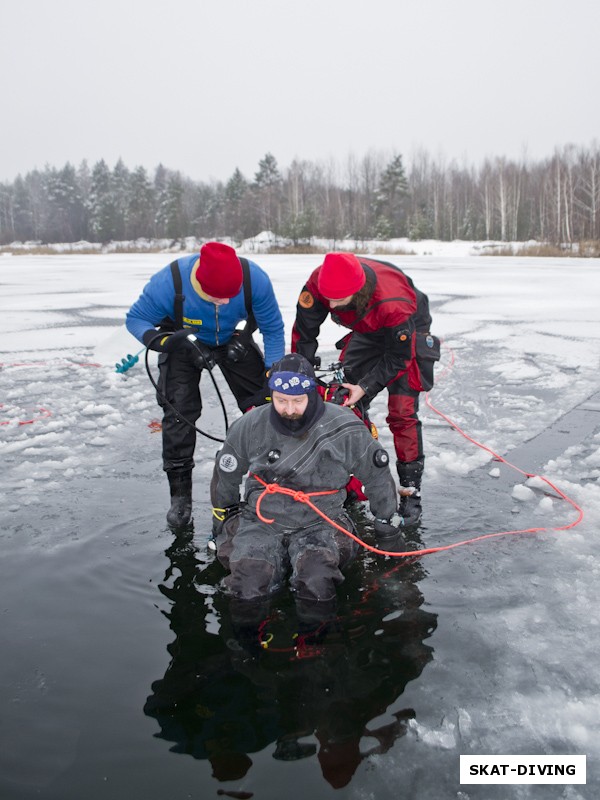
517, 641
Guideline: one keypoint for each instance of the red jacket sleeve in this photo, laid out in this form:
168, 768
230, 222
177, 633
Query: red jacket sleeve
311, 312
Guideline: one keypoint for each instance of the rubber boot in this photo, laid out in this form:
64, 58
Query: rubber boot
180, 484
410, 474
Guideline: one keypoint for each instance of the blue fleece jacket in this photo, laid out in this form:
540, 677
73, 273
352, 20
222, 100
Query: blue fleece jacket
213, 324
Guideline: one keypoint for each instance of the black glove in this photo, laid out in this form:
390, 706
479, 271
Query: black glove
202, 355
338, 394
238, 346
388, 529
166, 342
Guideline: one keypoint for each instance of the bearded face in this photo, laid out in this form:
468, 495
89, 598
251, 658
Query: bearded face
291, 407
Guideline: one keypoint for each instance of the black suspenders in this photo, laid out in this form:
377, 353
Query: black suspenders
179, 296
250, 325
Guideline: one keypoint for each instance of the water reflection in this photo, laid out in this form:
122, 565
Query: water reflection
307, 679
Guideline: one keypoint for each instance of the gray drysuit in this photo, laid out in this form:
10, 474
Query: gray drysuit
260, 555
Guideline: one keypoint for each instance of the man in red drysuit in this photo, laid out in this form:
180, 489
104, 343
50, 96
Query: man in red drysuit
390, 346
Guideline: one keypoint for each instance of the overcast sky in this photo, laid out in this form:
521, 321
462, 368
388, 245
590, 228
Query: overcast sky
205, 86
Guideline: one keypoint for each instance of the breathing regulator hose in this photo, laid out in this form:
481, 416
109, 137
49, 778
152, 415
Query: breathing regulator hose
204, 364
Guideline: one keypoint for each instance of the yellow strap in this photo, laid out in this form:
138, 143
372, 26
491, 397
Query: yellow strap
220, 516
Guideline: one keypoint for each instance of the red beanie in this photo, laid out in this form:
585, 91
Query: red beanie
341, 275
219, 271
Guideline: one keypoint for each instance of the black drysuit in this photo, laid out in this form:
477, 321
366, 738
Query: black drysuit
299, 541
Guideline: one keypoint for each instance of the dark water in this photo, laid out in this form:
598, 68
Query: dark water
126, 672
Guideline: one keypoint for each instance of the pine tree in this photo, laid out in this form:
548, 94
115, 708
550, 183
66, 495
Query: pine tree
268, 174
66, 208
419, 225
235, 202
84, 182
236, 187
390, 199
5, 224
300, 227
161, 178
120, 192
206, 214
20, 211
140, 209
170, 215
101, 203
267, 183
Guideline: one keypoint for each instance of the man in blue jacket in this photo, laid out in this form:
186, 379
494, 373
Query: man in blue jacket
207, 295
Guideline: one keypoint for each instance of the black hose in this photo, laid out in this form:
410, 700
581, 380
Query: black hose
172, 407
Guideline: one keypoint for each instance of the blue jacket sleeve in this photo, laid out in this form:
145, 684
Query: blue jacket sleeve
154, 304
267, 314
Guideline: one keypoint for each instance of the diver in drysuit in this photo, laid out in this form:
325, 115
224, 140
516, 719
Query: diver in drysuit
302, 444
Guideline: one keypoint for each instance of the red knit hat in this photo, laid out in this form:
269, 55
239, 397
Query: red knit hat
219, 271
341, 275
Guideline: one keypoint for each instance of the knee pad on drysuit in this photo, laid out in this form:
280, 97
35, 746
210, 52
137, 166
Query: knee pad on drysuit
252, 578
316, 574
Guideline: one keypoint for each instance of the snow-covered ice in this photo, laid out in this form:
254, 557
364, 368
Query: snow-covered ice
517, 641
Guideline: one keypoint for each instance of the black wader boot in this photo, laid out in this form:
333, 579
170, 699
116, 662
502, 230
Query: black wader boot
410, 474
180, 484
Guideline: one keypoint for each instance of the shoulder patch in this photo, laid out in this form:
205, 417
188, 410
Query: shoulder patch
228, 462
306, 300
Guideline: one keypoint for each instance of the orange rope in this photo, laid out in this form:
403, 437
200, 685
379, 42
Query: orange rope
62, 362
43, 412
498, 457
304, 497
301, 497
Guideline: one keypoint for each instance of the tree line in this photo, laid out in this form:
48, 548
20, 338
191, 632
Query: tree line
555, 199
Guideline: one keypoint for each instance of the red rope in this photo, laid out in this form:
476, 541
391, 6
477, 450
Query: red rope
301, 497
301, 648
503, 460
43, 413
304, 497
63, 363
498, 457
